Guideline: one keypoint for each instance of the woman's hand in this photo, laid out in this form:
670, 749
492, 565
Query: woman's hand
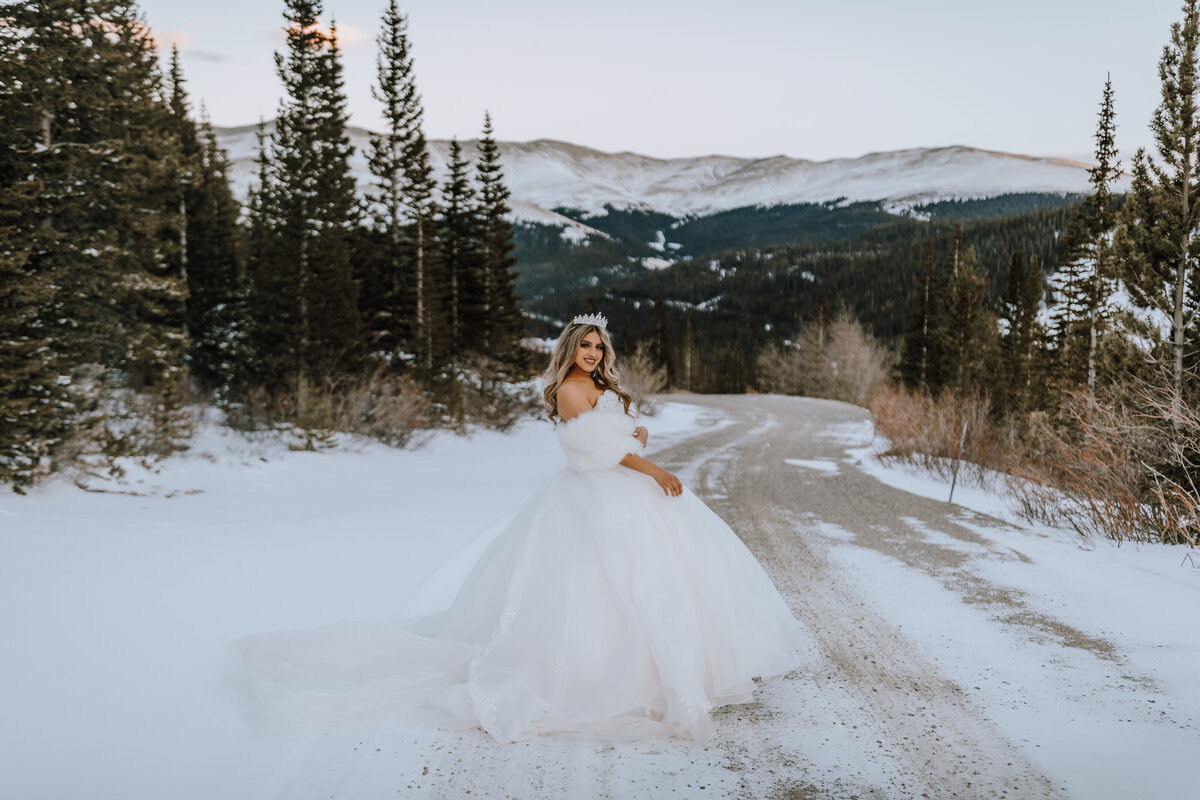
641, 434
671, 485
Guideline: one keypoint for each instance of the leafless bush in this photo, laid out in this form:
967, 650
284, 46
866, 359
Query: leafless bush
643, 379
926, 431
839, 362
384, 406
1124, 472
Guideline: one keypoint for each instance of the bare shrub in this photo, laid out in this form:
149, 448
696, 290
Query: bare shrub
838, 362
643, 379
855, 364
926, 431
381, 405
1125, 472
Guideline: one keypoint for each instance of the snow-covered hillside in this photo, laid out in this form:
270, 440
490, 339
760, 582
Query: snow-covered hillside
547, 174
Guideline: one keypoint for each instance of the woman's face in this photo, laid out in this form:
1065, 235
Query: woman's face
590, 352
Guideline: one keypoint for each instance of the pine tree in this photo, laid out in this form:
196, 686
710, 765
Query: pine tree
1157, 234
1084, 283
217, 290
1019, 309
31, 397
307, 328
503, 322
207, 256
461, 259
914, 365
404, 198
822, 318
662, 339
963, 325
97, 224
687, 356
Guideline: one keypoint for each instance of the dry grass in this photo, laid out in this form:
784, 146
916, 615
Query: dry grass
926, 431
1109, 469
1105, 467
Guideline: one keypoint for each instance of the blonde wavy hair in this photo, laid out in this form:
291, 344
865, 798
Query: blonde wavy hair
604, 376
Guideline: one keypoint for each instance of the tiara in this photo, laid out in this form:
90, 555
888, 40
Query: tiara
591, 319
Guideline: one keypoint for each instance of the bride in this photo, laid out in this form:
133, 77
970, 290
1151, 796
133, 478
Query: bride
615, 605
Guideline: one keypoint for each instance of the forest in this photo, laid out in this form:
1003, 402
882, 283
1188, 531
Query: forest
1053, 338
134, 288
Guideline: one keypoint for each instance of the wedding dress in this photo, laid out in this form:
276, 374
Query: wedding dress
605, 609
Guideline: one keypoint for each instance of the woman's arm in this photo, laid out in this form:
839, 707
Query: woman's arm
671, 485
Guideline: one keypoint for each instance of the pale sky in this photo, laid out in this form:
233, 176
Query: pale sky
752, 78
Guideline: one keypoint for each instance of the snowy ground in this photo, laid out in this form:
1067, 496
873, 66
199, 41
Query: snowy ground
116, 607
1114, 714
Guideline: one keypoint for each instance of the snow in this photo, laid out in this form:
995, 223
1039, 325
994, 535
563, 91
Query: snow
821, 465
117, 605
547, 174
1119, 722
652, 263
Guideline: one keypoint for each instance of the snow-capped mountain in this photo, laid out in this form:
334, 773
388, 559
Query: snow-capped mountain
546, 174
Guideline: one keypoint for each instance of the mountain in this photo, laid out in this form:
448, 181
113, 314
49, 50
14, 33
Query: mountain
546, 175
741, 252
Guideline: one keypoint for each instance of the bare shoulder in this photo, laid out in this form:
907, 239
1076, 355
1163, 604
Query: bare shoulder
575, 398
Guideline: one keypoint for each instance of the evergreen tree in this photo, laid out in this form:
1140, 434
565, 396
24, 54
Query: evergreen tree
306, 325
503, 322
963, 325
404, 200
95, 222
461, 259
662, 339
217, 289
1084, 283
1157, 235
914, 364
31, 398
207, 254
153, 290
1019, 309
688, 356
823, 320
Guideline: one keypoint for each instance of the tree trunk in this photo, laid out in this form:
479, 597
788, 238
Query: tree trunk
925, 336
424, 334
1181, 275
183, 252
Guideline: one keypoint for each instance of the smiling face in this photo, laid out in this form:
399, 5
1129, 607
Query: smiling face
590, 352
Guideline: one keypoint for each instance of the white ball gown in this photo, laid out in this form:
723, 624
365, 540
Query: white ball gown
605, 609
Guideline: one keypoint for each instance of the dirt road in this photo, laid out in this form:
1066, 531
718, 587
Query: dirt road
867, 715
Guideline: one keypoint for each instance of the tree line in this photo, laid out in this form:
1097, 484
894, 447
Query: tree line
1096, 391
132, 281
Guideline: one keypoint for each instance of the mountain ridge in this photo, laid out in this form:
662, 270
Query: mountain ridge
548, 174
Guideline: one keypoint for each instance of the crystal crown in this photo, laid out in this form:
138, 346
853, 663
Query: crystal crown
591, 319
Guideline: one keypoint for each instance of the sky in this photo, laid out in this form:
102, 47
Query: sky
755, 78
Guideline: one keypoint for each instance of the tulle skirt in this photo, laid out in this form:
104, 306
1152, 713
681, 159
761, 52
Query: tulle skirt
605, 609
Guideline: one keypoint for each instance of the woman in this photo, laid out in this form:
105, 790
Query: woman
615, 604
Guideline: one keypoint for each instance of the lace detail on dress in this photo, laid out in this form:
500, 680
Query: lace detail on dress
611, 401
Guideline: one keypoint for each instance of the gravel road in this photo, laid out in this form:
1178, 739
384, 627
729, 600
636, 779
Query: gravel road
866, 716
